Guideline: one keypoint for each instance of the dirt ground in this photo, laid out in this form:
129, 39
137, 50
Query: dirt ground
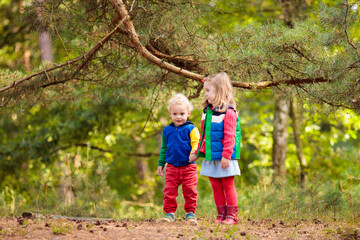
33, 226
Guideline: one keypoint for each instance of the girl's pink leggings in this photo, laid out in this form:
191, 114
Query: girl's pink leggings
224, 191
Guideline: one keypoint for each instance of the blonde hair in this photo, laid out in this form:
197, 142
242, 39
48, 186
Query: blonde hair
180, 99
223, 91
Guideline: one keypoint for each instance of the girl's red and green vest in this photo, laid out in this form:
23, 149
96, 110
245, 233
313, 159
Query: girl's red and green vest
213, 132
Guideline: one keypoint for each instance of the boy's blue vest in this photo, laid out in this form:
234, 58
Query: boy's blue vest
213, 129
178, 143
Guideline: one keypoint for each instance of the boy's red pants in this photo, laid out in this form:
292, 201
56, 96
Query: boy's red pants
187, 177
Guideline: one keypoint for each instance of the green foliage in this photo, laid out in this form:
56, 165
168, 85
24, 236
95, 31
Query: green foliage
89, 147
322, 199
226, 15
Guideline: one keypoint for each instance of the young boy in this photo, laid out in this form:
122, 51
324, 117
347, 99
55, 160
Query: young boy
179, 139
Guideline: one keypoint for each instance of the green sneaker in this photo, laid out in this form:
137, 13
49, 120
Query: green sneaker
169, 217
191, 218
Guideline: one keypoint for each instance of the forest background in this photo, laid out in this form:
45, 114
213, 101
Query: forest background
84, 90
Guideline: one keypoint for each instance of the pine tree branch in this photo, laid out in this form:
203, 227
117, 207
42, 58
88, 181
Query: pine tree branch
187, 61
15, 83
121, 10
87, 57
176, 60
197, 94
323, 100
345, 29
128, 24
131, 32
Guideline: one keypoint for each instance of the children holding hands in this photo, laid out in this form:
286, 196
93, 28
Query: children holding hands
219, 145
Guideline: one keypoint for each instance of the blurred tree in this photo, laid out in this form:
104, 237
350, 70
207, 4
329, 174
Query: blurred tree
297, 127
279, 147
43, 35
292, 10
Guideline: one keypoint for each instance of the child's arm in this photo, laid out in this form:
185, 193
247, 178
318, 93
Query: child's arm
193, 157
225, 163
229, 133
194, 142
200, 143
162, 156
160, 170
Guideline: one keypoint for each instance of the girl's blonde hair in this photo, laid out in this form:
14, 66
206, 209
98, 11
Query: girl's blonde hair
223, 91
180, 99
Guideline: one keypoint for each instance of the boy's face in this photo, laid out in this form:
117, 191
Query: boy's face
179, 113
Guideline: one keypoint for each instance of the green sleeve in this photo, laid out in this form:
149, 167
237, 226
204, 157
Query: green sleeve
162, 157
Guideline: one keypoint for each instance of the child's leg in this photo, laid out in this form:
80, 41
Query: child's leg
231, 200
171, 189
189, 182
229, 190
218, 191
219, 197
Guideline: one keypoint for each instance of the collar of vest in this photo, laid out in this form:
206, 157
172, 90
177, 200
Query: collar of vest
186, 123
216, 109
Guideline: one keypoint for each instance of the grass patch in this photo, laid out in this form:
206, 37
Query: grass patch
330, 201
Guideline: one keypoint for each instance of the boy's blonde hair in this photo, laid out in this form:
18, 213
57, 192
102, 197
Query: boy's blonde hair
180, 99
223, 91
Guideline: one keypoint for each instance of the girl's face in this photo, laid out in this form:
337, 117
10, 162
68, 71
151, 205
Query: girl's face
209, 92
179, 114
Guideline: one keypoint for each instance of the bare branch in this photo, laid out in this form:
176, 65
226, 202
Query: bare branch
154, 103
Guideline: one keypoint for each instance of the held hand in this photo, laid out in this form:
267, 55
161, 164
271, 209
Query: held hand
160, 170
225, 163
192, 157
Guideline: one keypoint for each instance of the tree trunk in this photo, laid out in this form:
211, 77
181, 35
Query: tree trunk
143, 171
296, 124
66, 182
281, 117
292, 9
45, 46
27, 64
44, 38
142, 162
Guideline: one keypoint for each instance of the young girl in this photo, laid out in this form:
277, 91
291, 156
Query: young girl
220, 145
